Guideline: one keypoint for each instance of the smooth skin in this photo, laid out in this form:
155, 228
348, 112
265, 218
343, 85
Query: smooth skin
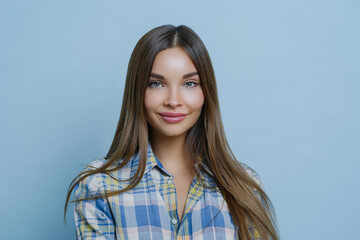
174, 86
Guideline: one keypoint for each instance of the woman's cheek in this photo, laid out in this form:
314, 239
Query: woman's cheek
151, 99
195, 100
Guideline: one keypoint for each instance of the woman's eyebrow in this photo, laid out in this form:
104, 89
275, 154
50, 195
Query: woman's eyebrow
158, 76
190, 75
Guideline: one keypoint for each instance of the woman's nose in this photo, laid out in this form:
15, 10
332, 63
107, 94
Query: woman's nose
173, 99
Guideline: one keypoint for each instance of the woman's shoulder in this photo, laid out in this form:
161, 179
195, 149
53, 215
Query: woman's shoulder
210, 180
113, 169
101, 181
252, 173
97, 163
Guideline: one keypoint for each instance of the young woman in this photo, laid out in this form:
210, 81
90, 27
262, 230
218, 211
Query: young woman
170, 173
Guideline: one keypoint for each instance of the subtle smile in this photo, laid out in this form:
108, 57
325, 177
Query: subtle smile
172, 117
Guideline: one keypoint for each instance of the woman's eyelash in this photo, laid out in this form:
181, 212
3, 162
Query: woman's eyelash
154, 84
193, 84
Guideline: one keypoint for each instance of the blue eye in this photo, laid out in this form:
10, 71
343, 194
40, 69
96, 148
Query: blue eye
155, 84
190, 84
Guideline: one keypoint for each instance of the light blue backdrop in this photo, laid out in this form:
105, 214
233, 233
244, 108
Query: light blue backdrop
288, 77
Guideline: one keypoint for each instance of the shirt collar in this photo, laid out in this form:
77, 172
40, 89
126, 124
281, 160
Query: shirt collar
152, 161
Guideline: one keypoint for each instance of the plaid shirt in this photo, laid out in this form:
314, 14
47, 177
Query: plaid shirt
149, 211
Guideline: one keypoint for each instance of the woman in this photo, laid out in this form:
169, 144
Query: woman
170, 173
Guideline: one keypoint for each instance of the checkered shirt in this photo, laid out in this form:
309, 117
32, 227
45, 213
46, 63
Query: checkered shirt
149, 211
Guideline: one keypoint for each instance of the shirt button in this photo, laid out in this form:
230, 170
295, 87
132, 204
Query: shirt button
169, 181
174, 221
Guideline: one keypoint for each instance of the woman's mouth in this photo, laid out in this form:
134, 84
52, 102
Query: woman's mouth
172, 117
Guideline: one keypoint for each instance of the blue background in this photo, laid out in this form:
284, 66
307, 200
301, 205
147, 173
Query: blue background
288, 77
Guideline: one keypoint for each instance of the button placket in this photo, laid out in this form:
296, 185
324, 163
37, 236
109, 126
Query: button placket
174, 221
172, 191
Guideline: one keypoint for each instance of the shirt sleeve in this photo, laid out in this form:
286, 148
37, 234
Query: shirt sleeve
93, 218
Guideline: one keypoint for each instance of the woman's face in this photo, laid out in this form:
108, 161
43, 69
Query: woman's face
174, 97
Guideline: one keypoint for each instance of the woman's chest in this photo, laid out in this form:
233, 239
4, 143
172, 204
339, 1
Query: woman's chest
149, 211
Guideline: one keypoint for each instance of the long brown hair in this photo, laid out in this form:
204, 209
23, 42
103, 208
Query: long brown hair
247, 202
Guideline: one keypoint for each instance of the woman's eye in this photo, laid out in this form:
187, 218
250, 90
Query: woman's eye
190, 84
154, 84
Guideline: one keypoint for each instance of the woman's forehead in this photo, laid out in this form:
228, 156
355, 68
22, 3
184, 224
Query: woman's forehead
173, 60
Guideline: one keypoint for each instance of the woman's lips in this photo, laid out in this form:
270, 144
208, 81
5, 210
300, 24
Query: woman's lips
172, 117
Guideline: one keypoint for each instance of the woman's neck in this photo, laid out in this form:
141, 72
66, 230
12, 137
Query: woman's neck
171, 153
